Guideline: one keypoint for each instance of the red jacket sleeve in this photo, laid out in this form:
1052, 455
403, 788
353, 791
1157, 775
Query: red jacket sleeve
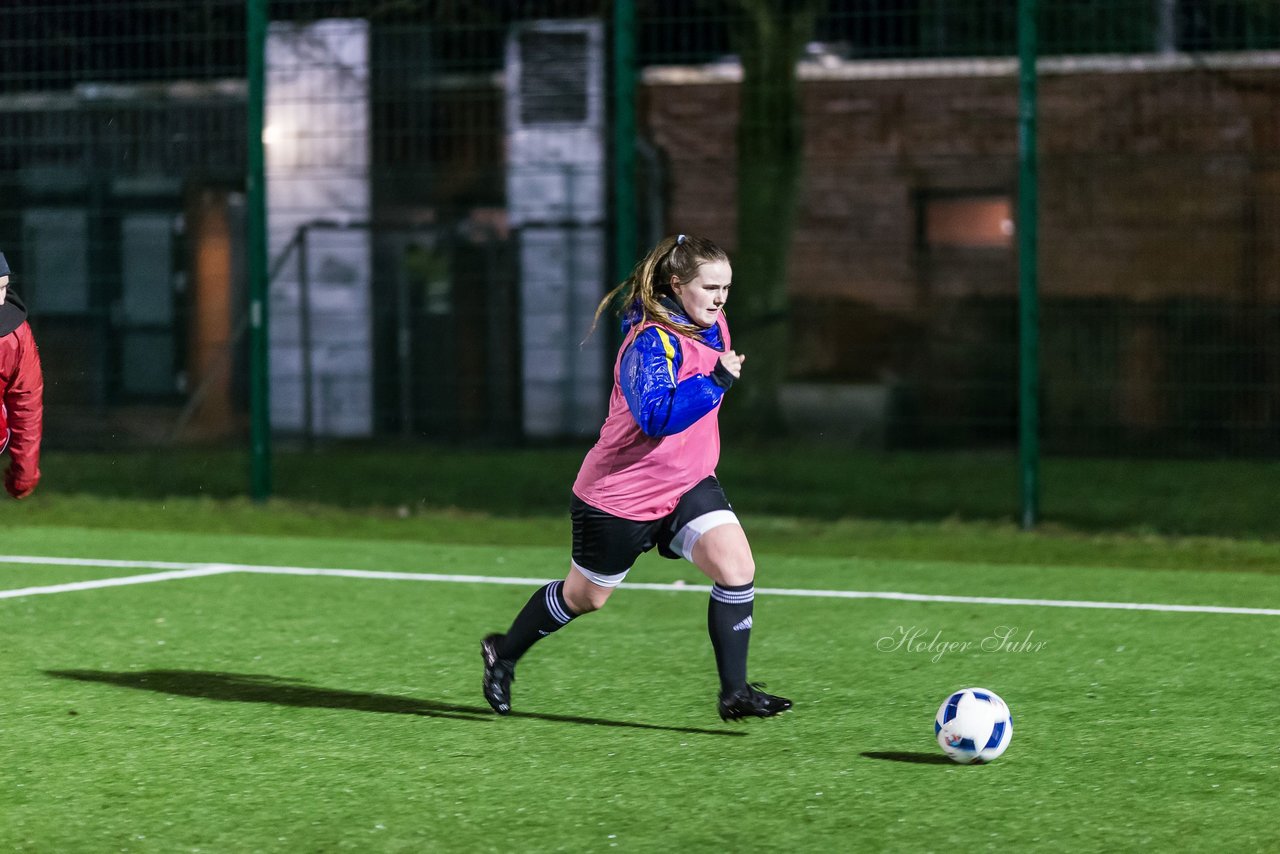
23, 383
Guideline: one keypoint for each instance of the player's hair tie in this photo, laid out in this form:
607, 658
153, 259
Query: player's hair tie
679, 240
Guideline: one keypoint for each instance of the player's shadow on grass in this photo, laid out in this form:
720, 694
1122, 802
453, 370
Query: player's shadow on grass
904, 756
258, 688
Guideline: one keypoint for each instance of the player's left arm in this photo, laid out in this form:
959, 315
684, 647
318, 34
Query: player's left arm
661, 405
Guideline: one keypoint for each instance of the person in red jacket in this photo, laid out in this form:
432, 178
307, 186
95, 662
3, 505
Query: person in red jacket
21, 392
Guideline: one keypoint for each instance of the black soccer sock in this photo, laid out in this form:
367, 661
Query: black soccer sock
729, 624
545, 612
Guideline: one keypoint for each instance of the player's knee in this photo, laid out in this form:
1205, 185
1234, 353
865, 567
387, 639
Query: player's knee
724, 555
587, 598
738, 572
734, 566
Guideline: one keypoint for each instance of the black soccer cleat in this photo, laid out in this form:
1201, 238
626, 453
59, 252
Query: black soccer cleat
750, 702
498, 675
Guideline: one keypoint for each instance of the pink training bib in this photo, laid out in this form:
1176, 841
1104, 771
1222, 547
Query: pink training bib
639, 477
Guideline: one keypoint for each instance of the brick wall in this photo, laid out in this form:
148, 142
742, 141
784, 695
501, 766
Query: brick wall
1153, 184
1159, 251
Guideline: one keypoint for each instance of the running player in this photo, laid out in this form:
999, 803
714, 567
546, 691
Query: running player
650, 478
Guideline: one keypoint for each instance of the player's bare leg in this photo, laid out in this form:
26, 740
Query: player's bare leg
583, 594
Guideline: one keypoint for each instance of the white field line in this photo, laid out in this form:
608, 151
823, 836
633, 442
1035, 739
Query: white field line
98, 583
196, 570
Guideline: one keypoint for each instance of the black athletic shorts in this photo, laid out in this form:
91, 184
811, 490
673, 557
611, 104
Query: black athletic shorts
605, 546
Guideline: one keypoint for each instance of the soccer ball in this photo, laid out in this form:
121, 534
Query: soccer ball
973, 725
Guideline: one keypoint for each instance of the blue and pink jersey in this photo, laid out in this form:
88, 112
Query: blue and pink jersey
662, 433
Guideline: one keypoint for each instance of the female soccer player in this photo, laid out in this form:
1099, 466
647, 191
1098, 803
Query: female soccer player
650, 478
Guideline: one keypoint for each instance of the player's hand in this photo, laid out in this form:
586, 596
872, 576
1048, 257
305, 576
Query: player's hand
732, 362
19, 487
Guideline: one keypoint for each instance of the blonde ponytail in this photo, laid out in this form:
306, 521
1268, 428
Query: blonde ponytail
676, 257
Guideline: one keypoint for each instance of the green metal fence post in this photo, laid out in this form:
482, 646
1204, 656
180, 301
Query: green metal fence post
624, 138
255, 180
1028, 291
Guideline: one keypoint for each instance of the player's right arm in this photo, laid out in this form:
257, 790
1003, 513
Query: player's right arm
661, 405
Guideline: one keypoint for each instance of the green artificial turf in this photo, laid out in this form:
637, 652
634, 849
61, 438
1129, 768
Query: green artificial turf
256, 712
1232, 498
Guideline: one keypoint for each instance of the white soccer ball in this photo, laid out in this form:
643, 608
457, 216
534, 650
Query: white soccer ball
973, 725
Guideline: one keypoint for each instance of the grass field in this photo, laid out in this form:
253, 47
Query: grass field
1187, 497
256, 711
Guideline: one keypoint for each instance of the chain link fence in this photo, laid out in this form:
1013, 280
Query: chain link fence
444, 213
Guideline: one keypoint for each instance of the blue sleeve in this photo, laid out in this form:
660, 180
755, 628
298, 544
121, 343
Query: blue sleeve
660, 405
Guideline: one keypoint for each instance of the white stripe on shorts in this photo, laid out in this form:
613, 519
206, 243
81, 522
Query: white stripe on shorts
598, 579
687, 537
